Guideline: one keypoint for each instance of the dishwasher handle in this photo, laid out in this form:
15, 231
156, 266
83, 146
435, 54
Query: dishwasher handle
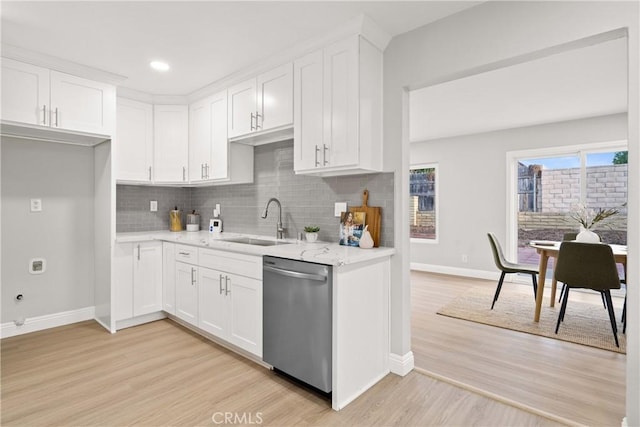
296, 274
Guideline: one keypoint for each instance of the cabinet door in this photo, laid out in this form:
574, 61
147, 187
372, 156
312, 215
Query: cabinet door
133, 146
219, 142
147, 278
212, 300
187, 292
275, 98
171, 143
199, 140
308, 112
242, 108
169, 277
122, 306
25, 93
341, 103
245, 313
82, 105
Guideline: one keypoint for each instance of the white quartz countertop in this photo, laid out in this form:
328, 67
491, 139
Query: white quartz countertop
319, 252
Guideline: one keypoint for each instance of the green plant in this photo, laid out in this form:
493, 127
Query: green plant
311, 229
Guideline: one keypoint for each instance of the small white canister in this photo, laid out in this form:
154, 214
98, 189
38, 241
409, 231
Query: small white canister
193, 221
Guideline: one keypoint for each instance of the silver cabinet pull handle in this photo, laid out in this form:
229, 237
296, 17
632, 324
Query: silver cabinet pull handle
324, 154
257, 125
193, 280
316, 161
226, 285
206, 170
56, 117
201, 170
184, 173
138, 252
44, 114
252, 128
149, 173
183, 253
221, 290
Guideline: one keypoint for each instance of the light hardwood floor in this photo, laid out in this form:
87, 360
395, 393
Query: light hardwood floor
572, 381
162, 374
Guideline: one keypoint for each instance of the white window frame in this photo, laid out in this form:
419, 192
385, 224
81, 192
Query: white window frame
513, 157
435, 166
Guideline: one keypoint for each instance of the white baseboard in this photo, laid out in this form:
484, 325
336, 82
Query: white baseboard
32, 324
455, 271
401, 365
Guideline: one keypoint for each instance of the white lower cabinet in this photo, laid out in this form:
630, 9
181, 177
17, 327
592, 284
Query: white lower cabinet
212, 302
231, 308
230, 304
169, 277
216, 291
187, 292
138, 279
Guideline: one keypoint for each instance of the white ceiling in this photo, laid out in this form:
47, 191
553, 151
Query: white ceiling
203, 41
585, 82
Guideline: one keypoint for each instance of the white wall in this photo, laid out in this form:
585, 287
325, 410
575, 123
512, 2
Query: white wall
472, 180
478, 38
62, 176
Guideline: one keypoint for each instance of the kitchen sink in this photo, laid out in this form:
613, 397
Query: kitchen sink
256, 242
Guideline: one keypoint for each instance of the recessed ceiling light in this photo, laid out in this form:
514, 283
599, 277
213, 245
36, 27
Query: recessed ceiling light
159, 65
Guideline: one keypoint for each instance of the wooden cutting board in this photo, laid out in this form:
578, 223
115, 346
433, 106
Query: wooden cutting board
372, 218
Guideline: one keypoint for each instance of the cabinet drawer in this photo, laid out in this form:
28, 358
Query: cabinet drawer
188, 254
229, 262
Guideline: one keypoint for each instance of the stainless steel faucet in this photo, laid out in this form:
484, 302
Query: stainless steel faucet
280, 231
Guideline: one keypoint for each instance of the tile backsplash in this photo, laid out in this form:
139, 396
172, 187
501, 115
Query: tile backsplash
306, 200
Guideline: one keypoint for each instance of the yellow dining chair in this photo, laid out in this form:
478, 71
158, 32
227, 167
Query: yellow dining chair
507, 267
587, 266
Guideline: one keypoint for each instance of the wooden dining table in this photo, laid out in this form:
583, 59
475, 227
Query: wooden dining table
550, 249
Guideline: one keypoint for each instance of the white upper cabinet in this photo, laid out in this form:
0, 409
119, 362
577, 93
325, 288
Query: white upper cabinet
261, 104
275, 98
308, 128
81, 105
199, 140
212, 159
208, 144
39, 96
171, 144
25, 93
219, 143
133, 146
242, 108
338, 109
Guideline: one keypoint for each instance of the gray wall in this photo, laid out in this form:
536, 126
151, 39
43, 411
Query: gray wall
306, 200
62, 176
132, 206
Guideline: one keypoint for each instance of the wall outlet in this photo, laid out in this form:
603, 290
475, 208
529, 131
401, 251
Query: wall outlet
153, 206
36, 205
465, 258
339, 208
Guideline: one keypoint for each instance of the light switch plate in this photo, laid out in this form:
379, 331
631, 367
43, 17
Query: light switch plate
153, 206
339, 208
36, 205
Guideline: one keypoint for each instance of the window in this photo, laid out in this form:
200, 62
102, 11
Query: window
423, 203
548, 184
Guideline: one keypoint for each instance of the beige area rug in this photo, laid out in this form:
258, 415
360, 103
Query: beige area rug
584, 323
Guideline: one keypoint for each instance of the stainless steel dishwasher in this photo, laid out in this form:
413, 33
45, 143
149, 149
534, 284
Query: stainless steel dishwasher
297, 320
